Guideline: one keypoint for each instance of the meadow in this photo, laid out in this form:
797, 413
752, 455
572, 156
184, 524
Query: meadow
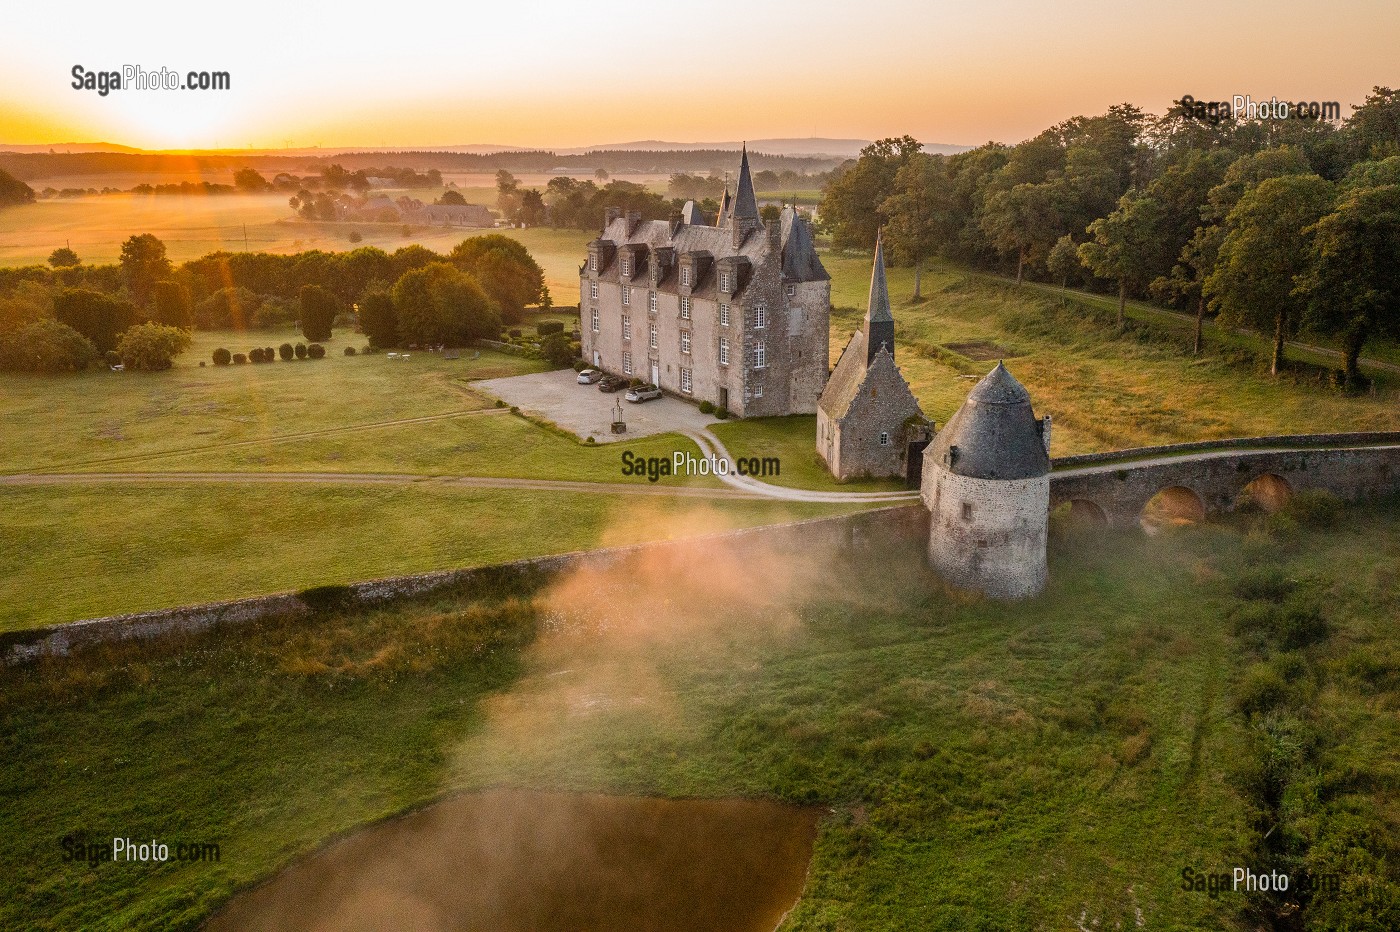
1052, 767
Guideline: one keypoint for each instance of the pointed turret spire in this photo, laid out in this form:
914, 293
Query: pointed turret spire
745, 203
879, 321
744, 219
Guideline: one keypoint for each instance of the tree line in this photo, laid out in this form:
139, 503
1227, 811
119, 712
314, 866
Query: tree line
62, 316
1287, 226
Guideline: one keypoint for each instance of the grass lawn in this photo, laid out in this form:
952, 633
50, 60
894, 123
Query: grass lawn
74, 553
793, 441
1049, 766
1103, 390
102, 418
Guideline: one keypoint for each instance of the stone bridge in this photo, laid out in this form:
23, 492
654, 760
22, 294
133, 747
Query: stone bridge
1198, 479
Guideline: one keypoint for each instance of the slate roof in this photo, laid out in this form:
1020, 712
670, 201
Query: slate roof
878, 310
995, 432
800, 262
693, 215
846, 379
745, 203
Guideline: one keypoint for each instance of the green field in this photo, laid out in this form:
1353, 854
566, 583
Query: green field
84, 552
96, 226
1054, 765
1104, 391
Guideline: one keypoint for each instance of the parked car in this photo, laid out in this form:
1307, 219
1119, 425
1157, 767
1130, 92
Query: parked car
643, 393
589, 376
611, 383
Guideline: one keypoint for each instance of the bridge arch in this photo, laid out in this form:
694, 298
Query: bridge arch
1171, 506
1269, 491
1085, 512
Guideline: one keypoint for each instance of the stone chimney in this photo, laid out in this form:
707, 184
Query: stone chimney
676, 221
634, 220
1045, 433
775, 235
610, 214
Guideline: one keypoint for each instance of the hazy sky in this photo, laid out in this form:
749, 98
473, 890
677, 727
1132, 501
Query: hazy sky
549, 72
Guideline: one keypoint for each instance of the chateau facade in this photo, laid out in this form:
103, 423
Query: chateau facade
736, 314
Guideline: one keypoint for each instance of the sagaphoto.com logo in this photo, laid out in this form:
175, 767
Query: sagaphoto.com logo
136, 78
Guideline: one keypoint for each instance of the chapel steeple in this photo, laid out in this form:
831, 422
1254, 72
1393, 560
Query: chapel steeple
879, 321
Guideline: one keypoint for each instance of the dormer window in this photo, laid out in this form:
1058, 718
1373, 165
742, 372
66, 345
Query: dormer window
626, 266
592, 263
724, 282
685, 275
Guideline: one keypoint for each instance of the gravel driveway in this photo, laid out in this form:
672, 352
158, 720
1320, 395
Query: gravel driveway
587, 412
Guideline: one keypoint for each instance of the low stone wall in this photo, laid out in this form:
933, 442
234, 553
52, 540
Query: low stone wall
908, 523
1236, 443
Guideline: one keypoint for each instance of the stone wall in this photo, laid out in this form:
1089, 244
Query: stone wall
906, 524
882, 405
1217, 479
988, 535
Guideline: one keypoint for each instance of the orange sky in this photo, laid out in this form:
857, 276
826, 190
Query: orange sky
554, 73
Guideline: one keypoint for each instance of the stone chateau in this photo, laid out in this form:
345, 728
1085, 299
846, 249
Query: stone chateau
736, 313
868, 415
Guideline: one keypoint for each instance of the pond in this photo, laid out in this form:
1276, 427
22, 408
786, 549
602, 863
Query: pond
509, 860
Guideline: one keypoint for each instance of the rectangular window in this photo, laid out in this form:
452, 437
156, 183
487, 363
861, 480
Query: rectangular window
651, 335
760, 314
685, 381
758, 391
685, 307
592, 263
724, 352
626, 266
884, 438
791, 291
626, 296
760, 356
724, 315
595, 320
724, 282
627, 363
593, 289
651, 302
967, 511
685, 275
685, 341
626, 326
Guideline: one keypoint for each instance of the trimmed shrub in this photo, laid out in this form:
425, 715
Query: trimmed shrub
239, 359
45, 345
255, 354
349, 351
316, 351
545, 328
223, 357
707, 407
722, 413
269, 354
580, 365
300, 350
556, 350
286, 351
152, 347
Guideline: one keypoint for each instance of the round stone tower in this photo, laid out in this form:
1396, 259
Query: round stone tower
986, 483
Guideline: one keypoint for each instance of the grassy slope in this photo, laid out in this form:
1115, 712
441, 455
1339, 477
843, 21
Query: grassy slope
986, 768
1104, 392
112, 549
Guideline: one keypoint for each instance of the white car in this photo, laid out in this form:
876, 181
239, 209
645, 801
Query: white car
589, 376
642, 393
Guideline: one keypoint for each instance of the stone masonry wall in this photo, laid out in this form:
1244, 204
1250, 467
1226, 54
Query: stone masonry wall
998, 549
883, 405
906, 524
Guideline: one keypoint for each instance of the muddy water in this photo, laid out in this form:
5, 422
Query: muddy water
511, 861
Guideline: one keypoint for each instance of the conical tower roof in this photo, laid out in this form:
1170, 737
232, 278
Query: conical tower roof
879, 307
745, 203
995, 434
